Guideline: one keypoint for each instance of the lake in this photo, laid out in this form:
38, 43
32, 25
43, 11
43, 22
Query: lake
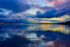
34, 35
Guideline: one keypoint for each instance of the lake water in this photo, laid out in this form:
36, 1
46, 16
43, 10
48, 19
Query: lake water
34, 35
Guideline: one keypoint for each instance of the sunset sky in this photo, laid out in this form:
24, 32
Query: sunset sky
36, 10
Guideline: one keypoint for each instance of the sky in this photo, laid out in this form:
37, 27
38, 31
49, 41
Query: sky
56, 10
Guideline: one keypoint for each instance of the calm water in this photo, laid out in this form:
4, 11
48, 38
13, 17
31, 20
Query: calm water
34, 35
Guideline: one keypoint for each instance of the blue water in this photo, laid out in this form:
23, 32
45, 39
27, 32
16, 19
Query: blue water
34, 35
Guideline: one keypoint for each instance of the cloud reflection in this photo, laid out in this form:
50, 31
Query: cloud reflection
38, 35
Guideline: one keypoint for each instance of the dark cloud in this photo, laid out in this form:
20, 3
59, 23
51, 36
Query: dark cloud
13, 5
9, 5
52, 13
62, 12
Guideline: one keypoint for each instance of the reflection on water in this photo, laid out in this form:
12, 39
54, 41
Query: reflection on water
34, 35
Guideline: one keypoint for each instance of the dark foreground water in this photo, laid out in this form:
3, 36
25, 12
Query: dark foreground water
34, 35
